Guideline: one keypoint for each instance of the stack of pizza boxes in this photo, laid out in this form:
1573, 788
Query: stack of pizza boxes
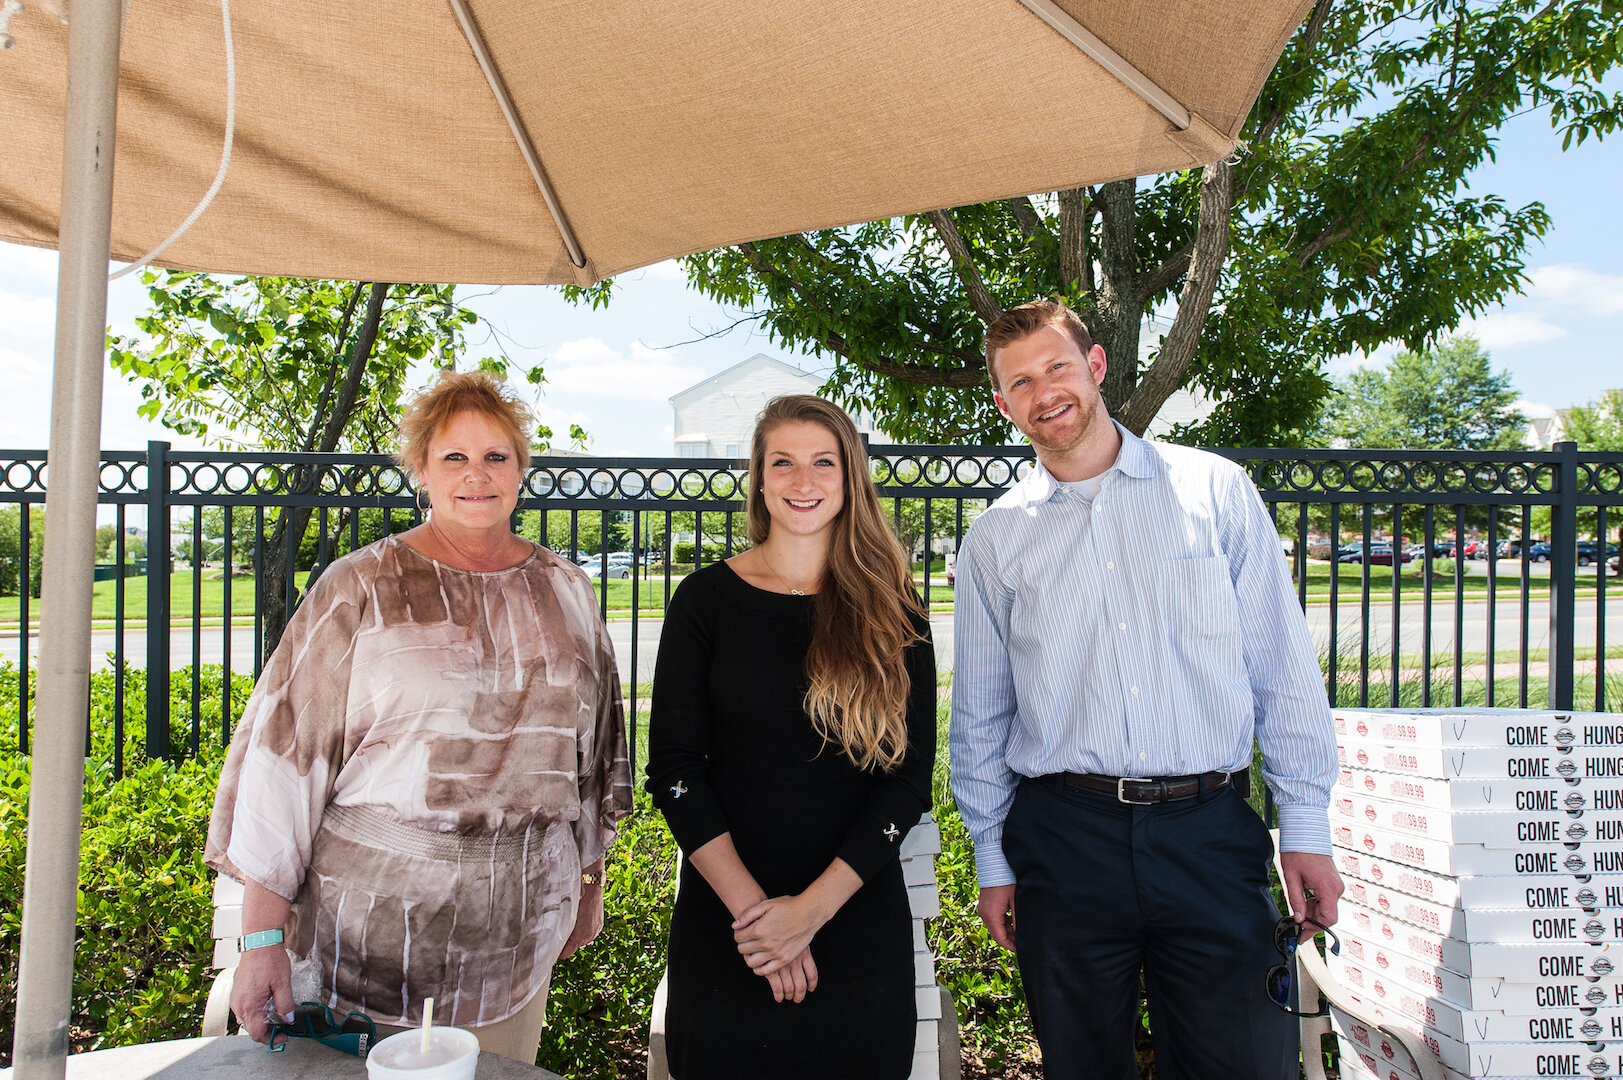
1482, 851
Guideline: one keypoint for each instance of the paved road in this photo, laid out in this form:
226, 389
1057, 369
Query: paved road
1507, 624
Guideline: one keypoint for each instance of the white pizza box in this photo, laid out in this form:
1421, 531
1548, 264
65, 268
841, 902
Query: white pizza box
1540, 901
1489, 828
1484, 762
1451, 1052
1566, 981
1484, 1058
1474, 860
1455, 954
1528, 891
1357, 1063
1569, 1022
1480, 727
1480, 794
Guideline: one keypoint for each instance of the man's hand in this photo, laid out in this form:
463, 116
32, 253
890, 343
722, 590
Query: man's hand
997, 912
263, 976
1312, 888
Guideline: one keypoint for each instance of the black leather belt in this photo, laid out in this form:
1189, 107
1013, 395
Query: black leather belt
1146, 790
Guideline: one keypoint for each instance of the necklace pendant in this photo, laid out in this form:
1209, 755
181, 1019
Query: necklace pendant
796, 592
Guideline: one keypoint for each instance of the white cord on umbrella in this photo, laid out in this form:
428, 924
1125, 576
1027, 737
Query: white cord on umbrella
225, 151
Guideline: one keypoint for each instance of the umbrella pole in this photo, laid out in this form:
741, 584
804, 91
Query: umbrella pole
56, 789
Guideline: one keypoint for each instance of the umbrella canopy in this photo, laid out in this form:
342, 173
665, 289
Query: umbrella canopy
370, 143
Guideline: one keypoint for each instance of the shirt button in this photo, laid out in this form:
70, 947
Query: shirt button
1110, 566
1121, 626
1135, 691
1097, 508
1142, 755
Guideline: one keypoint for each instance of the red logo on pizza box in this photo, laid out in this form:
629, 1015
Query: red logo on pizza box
1369, 812
1363, 728
1369, 842
1384, 902
1363, 758
1386, 1048
1369, 783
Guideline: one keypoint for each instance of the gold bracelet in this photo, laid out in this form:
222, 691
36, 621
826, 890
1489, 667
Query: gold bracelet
589, 878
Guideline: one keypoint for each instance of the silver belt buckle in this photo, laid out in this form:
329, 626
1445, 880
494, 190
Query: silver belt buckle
1121, 787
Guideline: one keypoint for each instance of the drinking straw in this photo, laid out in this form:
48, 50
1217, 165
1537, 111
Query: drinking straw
428, 1020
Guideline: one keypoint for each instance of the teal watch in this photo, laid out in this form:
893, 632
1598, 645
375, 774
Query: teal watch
258, 940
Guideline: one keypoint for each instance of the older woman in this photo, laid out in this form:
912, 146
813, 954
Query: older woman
791, 747
420, 792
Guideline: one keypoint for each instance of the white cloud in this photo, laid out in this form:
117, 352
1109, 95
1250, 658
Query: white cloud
1507, 329
1533, 409
32, 264
1350, 362
1598, 295
20, 369
590, 366
559, 420
27, 316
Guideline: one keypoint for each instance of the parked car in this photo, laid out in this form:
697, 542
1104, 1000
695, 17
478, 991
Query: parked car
1350, 553
1476, 549
1509, 549
1539, 552
616, 570
1589, 552
1379, 554
1443, 549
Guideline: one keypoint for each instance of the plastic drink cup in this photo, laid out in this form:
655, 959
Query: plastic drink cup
453, 1054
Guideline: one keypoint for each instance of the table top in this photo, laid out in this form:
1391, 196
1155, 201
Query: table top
237, 1055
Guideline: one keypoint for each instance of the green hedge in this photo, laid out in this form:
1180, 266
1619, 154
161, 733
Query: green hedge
145, 911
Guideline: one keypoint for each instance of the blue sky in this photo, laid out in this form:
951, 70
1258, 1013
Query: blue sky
612, 371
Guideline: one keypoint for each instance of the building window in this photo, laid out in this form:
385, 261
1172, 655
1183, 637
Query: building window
732, 450
690, 449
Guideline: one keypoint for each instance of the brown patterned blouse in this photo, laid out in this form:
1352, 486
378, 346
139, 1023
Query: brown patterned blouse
428, 760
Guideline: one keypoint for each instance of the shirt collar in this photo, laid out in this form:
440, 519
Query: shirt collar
1133, 459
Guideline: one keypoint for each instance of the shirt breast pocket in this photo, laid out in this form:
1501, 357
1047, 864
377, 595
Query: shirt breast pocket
1197, 598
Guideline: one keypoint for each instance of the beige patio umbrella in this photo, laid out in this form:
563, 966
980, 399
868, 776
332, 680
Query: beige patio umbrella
524, 141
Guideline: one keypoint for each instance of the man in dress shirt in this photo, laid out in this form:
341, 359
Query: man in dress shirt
1124, 612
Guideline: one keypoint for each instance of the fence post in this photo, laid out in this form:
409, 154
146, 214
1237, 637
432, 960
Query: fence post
158, 563
1563, 576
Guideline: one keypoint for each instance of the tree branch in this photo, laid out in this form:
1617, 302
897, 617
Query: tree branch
964, 263
332, 372
359, 354
1167, 374
1171, 269
1026, 218
1075, 268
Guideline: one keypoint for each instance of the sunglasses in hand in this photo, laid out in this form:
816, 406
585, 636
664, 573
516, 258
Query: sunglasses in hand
1281, 977
355, 1034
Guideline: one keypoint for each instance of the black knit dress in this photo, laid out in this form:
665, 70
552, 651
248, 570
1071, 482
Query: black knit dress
731, 749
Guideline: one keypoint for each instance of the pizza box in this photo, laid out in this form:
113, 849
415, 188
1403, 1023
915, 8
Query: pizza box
1474, 860
1489, 892
1566, 980
1484, 762
1480, 727
1481, 794
1486, 1057
1569, 1022
1451, 1052
1489, 828
1539, 902
1357, 1063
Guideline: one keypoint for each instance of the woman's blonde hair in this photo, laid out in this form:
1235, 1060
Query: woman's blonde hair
857, 699
459, 392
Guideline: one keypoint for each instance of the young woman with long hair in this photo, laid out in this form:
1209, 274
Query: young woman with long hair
791, 749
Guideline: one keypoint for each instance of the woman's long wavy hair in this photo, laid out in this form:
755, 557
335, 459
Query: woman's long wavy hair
857, 699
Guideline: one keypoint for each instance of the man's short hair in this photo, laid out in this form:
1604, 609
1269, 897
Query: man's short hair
1027, 319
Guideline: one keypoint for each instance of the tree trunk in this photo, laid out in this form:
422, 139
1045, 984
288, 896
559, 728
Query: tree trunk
1120, 307
1171, 366
293, 520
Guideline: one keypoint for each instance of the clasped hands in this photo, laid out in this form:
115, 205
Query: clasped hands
774, 938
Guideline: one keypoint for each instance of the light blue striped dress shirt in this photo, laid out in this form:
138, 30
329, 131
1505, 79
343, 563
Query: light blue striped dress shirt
1148, 631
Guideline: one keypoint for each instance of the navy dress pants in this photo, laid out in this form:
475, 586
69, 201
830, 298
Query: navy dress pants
1179, 891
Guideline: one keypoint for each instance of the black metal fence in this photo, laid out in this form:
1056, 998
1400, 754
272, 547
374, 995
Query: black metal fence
1423, 632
